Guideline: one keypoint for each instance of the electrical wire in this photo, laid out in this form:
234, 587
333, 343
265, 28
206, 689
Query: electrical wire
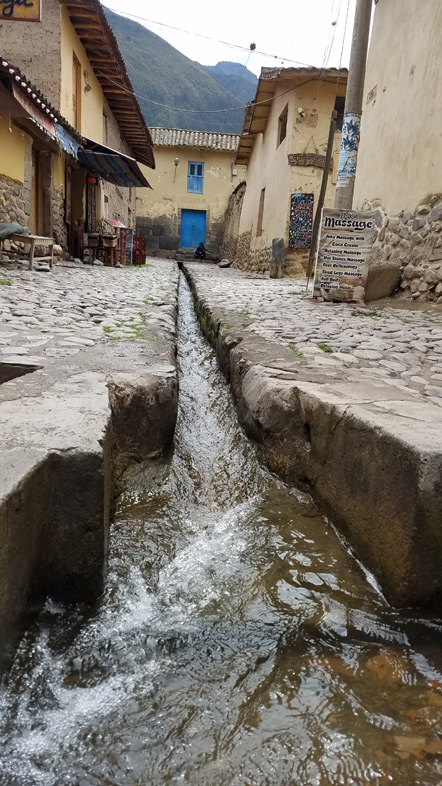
345, 33
236, 88
209, 38
201, 111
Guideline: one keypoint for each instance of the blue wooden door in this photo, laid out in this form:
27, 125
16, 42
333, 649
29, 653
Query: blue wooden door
193, 228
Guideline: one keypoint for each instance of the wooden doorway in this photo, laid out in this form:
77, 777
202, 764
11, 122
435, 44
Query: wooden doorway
36, 216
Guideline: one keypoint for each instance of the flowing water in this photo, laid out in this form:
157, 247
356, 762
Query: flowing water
238, 642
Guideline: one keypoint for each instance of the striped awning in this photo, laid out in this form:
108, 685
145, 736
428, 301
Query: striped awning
114, 167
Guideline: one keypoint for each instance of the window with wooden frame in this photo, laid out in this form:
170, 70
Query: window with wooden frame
260, 212
282, 125
195, 177
76, 92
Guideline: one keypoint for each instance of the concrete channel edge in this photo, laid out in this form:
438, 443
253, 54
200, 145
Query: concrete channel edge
372, 462
65, 446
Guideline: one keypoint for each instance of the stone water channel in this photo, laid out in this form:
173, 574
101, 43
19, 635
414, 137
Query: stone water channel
238, 642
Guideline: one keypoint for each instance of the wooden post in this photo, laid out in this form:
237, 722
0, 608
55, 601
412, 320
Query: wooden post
320, 205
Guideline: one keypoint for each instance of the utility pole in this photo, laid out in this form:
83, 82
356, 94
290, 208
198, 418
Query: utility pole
351, 128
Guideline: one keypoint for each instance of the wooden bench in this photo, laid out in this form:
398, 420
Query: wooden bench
32, 241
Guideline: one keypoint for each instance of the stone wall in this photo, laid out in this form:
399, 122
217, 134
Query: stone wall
163, 234
12, 201
254, 260
231, 222
15, 200
59, 228
238, 248
407, 253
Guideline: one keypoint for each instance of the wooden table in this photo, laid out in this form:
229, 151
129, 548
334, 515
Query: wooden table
32, 241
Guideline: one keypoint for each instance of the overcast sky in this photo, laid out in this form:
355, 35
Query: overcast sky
306, 31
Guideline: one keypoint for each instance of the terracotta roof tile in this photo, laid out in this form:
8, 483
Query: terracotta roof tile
178, 137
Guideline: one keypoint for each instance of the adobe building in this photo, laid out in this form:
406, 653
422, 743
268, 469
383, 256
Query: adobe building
194, 177
283, 145
399, 171
79, 167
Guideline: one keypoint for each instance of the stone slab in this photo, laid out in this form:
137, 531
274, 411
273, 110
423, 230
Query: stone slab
70, 428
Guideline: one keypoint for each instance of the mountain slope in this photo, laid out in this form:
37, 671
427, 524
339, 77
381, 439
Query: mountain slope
161, 73
235, 78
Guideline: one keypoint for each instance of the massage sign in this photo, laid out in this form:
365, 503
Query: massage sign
343, 257
20, 10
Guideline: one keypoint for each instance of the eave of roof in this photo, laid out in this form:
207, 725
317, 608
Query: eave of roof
179, 137
35, 96
95, 33
258, 111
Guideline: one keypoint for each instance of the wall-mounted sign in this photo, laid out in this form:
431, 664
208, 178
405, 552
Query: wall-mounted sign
344, 250
301, 220
307, 159
20, 10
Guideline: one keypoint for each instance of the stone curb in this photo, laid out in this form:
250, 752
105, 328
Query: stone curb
67, 438
371, 456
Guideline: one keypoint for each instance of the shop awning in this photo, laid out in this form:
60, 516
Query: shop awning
112, 166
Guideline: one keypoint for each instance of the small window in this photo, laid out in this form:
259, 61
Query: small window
105, 127
260, 212
195, 177
282, 125
339, 108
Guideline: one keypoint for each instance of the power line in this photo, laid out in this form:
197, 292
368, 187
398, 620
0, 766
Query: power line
209, 38
203, 111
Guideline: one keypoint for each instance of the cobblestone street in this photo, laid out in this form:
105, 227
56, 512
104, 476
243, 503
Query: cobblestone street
402, 347
54, 315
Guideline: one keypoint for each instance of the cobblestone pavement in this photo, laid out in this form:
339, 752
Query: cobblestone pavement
51, 315
400, 346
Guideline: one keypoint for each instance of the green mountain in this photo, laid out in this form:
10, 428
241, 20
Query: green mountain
162, 74
235, 78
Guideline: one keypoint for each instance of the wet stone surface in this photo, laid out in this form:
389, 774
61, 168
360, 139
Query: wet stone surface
401, 347
46, 316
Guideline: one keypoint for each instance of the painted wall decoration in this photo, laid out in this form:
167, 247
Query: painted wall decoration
20, 10
351, 132
344, 249
301, 220
307, 159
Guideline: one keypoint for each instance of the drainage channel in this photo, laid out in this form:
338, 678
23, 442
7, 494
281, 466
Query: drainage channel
238, 643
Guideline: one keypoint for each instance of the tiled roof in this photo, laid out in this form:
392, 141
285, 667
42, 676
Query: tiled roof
177, 137
34, 95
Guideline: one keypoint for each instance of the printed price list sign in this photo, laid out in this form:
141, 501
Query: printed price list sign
343, 257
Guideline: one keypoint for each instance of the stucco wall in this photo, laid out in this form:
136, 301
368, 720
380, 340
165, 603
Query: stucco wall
13, 146
91, 101
159, 210
399, 164
121, 201
35, 48
399, 159
269, 168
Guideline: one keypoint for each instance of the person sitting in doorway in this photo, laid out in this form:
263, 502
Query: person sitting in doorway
200, 252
